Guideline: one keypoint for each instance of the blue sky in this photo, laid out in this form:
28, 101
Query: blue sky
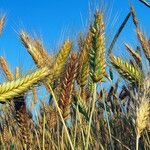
55, 20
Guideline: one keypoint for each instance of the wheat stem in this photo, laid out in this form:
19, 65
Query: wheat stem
43, 144
59, 111
137, 142
91, 115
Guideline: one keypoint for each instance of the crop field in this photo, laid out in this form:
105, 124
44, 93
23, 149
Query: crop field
96, 100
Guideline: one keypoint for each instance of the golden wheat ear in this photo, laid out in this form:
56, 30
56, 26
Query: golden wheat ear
58, 65
2, 21
83, 65
29, 44
9, 90
144, 43
6, 69
134, 17
143, 109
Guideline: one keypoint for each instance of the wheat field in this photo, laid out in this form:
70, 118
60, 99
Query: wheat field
80, 113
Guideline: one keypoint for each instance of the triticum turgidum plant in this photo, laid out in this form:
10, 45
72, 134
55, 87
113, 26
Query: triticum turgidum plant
78, 112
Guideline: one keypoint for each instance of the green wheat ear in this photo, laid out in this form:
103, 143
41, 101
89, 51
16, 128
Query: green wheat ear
127, 70
97, 52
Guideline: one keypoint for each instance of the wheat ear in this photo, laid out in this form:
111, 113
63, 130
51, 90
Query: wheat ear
135, 20
6, 69
61, 57
126, 70
14, 88
144, 44
39, 46
17, 71
29, 44
134, 54
83, 65
59, 63
67, 86
143, 110
22, 119
2, 21
97, 52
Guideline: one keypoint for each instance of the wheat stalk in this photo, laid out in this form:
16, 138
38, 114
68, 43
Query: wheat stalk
118, 33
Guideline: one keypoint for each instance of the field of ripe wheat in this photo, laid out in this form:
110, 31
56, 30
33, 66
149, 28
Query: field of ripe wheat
80, 113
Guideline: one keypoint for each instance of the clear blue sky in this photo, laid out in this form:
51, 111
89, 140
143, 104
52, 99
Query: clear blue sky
54, 20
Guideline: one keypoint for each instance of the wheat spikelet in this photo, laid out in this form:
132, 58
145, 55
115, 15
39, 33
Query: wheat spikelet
14, 88
67, 86
143, 110
126, 70
144, 43
97, 52
83, 65
135, 20
135, 55
2, 21
6, 69
29, 44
